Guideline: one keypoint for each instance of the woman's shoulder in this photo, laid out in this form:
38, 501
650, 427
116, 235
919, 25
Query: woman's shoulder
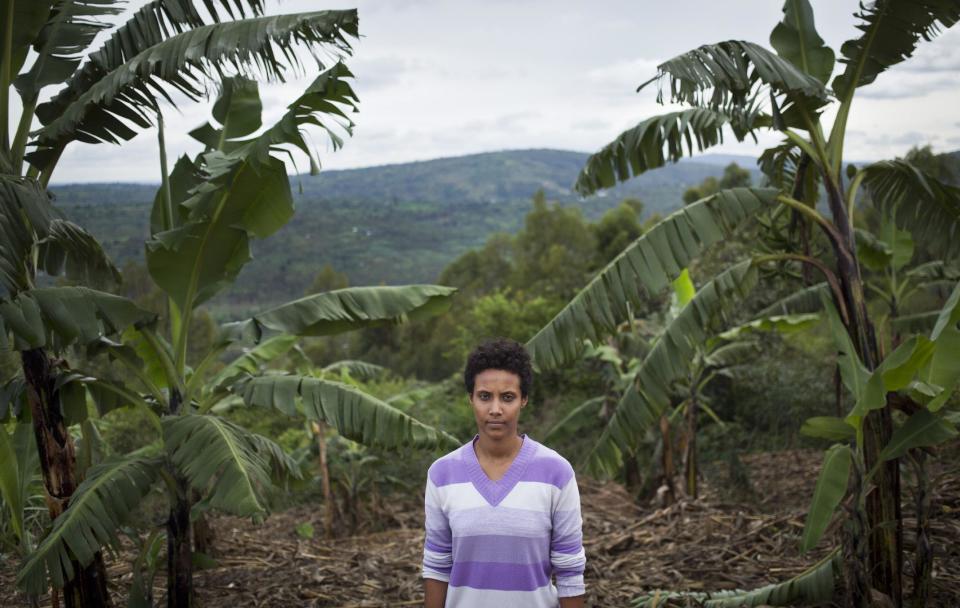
449, 468
549, 466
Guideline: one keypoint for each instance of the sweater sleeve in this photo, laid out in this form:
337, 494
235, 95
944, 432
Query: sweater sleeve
437, 545
566, 544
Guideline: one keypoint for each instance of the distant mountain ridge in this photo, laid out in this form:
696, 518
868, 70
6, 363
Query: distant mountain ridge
485, 177
494, 177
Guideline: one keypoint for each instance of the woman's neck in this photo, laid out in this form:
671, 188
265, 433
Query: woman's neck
501, 449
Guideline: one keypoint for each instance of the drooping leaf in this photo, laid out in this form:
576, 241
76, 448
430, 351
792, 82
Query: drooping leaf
891, 30
25, 215
341, 310
922, 429
828, 427
355, 414
918, 203
58, 317
361, 370
28, 19
726, 76
811, 587
282, 464
13, 398
783, 324
149, 25
324, 104
71, 28
252, 361
222, 461
796, 39
646, 266
92, 112
780, 164
726, 355
71, 251
806, 300
109, 395
29, 222
652, 144
670, 359
97, 509
829, 491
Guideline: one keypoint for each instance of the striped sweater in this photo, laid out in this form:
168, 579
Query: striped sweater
497, 543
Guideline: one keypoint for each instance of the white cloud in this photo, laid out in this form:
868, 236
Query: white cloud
452, 77
909, 85
943, 55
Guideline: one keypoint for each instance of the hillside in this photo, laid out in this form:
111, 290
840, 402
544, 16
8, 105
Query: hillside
398, 223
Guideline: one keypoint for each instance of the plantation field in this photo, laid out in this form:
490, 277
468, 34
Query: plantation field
728, 539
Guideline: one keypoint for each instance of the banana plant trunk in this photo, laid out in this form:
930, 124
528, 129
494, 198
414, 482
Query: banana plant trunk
328, 508
690, 454
203, 533
883, 501
179, 555
59, 467
923, 570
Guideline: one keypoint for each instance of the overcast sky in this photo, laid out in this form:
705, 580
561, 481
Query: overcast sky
451, 77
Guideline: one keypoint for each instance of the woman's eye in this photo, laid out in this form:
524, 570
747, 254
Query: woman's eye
508, 397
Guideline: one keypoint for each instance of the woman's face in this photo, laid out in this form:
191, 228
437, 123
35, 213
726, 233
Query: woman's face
496, 403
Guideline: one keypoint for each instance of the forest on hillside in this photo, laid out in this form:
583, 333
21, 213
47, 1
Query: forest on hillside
754, 387
382, 225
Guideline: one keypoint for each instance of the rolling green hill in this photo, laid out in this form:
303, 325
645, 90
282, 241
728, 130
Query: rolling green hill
390, 224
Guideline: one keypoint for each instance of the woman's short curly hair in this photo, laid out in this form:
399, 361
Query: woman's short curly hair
503, 354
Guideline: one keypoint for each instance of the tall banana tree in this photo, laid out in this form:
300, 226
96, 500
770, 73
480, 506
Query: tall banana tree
742, 87
105, 95
205, 214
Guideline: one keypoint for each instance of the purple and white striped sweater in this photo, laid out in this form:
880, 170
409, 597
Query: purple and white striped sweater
497, 542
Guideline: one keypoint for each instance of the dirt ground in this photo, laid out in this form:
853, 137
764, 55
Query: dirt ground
712, 543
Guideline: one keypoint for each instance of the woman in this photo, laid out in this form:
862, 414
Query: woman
502, 511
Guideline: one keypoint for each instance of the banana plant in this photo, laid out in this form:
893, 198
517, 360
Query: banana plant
922, 373
105, 95
728, 349
743, 88
667, 384
206, 212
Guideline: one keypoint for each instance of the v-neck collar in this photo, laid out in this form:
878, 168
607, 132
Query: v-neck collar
495, 491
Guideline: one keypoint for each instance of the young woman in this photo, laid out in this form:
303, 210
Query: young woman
502, 511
